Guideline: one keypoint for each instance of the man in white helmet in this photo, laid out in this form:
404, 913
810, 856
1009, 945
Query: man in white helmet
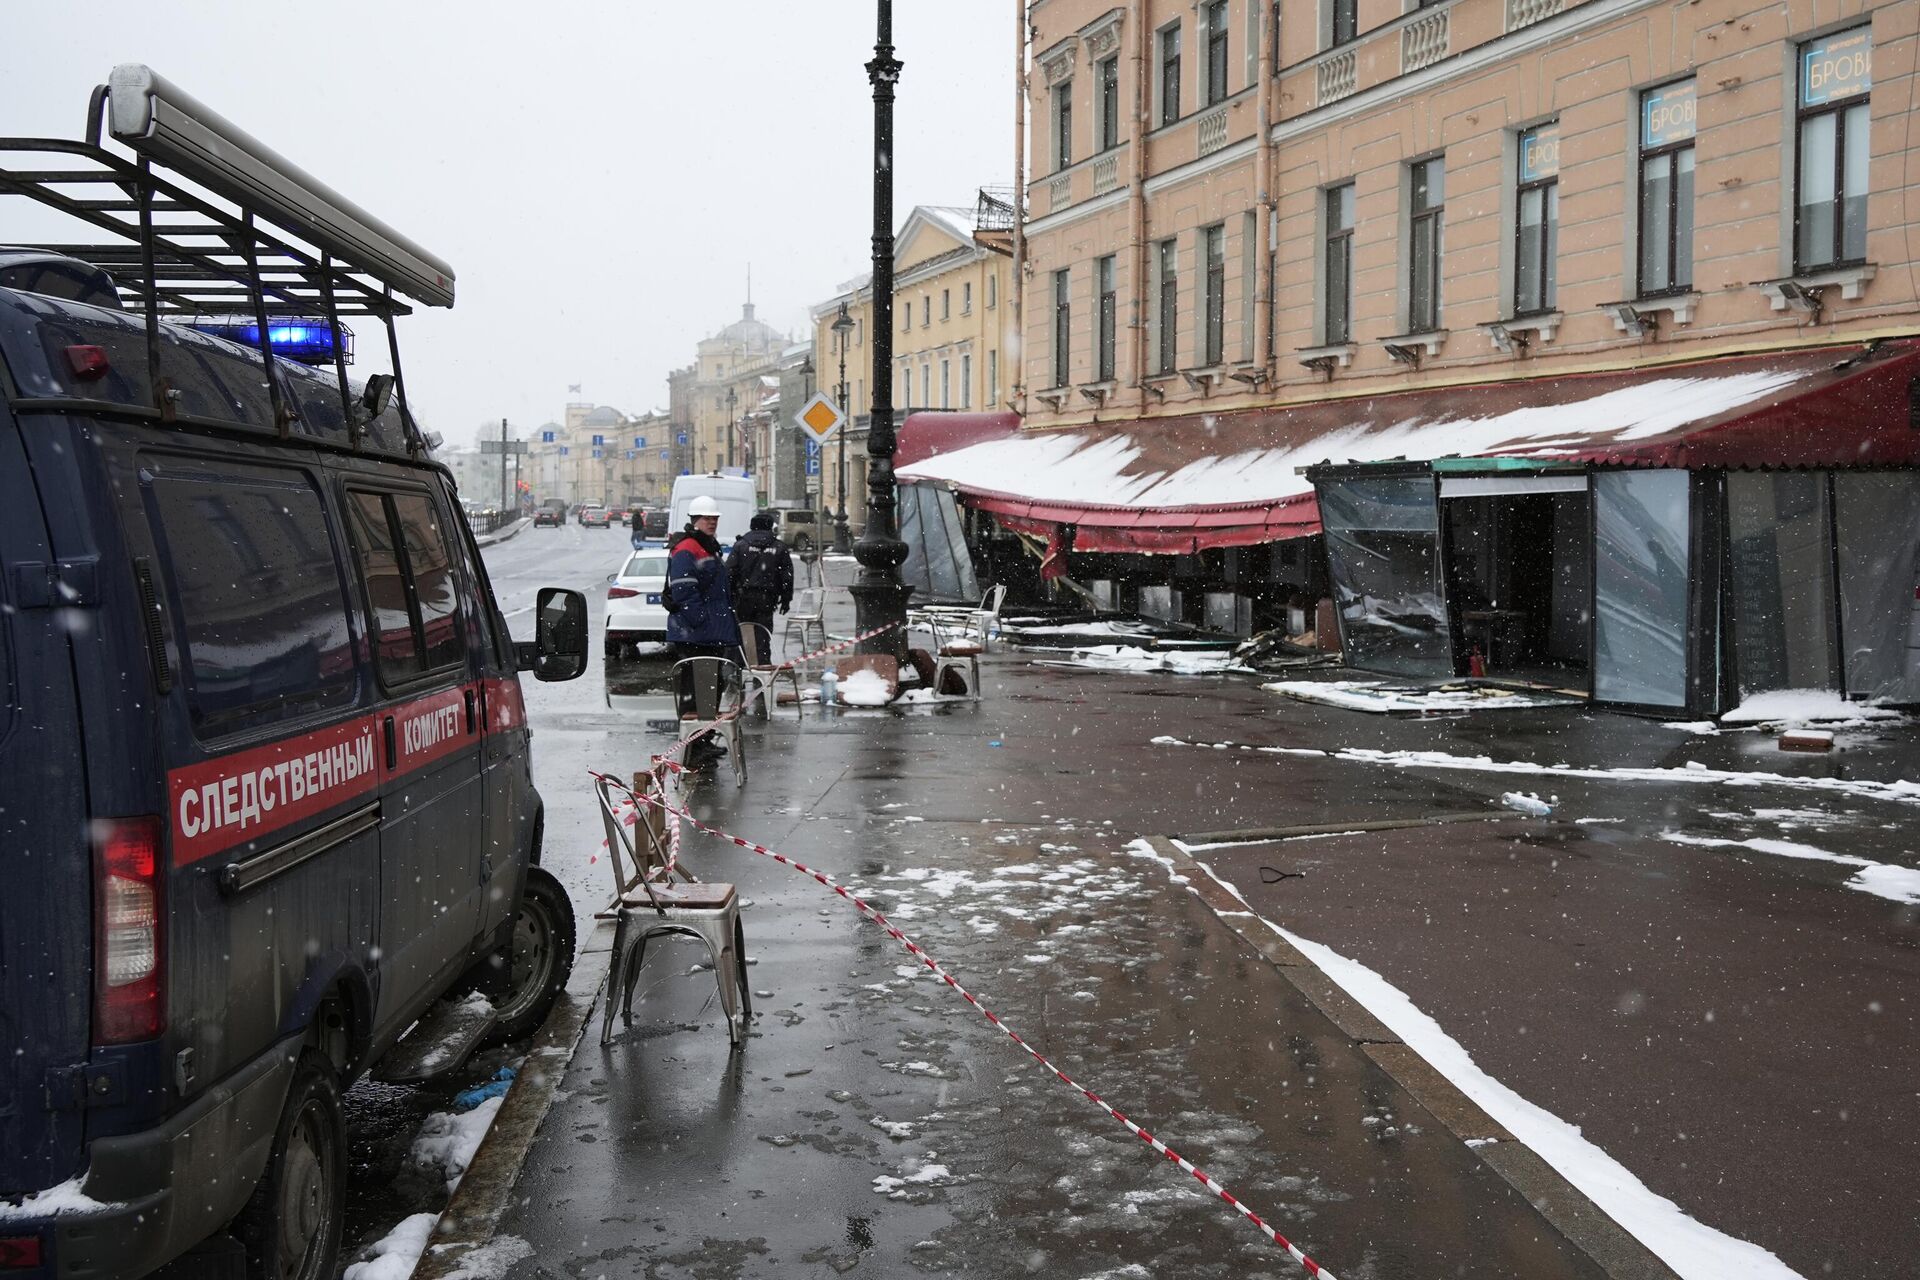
700, 617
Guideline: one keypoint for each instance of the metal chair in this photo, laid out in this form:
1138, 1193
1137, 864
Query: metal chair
762, 676
711, 696
649, 902
958, 653
986, 619
807, 615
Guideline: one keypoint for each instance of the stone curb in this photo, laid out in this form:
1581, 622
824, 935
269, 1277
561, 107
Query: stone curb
1613, 1249
481, 1199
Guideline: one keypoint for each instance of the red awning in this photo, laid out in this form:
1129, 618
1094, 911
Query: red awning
1178, 484
929, 434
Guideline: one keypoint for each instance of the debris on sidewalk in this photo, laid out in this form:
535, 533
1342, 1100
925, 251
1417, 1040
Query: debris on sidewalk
1383, 698
1117, 657
1794, 708
1526, 802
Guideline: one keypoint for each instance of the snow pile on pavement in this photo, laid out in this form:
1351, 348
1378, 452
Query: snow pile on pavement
446, 1141
492, 1260
1789, 707
1379, 696
865, 689
1116, 657
1102, 627
394, 1256
1883, 880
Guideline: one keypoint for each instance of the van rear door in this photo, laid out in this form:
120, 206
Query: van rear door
46, 862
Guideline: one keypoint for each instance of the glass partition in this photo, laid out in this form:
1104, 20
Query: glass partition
1383, 536
1640, 549
1780, 535
1877, 514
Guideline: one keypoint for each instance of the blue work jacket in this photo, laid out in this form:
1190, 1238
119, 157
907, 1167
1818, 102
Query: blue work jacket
697, 580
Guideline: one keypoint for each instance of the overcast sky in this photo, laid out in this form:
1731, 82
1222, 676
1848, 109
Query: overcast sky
599, 175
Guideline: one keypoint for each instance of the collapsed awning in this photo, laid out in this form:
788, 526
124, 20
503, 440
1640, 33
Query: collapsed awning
1178, 484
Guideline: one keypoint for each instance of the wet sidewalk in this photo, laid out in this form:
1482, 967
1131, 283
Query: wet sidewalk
874, 1122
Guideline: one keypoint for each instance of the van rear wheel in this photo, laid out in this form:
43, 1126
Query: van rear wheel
542, 961
291, 1226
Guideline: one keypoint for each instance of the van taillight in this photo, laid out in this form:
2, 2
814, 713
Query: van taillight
128, 1004
620, 593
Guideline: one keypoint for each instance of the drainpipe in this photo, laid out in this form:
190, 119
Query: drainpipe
1137, 201
1017, 347
1263, 178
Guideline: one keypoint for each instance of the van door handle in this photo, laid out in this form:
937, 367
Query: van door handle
392, 760
469, 694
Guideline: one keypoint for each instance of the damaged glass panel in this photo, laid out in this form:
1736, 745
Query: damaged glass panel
1878, 516
1640, 547
938, 565
1383, 538
1782, 566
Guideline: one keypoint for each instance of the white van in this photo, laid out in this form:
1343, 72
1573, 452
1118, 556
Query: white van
733, 493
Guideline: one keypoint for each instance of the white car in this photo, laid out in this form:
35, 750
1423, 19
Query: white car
635, 615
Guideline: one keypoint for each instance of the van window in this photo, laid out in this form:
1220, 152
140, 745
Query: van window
409, 580
263, 617
430, 565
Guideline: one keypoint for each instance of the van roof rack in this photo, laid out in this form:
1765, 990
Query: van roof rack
210, 222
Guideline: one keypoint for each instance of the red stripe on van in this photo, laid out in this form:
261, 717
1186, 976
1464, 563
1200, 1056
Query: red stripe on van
231, 799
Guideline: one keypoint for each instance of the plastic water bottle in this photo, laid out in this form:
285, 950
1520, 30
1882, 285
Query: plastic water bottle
829, 687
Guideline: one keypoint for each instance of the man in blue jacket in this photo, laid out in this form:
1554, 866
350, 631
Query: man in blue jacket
700, 618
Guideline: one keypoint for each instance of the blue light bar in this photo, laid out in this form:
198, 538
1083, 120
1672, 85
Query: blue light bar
296, 338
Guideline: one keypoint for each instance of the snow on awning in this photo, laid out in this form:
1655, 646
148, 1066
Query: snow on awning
1180, 483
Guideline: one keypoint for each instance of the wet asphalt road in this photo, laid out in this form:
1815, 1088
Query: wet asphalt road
668, 1157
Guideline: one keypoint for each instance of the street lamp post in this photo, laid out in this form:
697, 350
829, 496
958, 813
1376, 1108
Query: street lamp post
842, 540
732, 427
879, 597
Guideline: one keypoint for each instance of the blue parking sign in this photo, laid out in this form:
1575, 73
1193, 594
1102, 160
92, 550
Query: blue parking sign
546, 437
564, 451
598, 452
663, 455
639, 442
681, 439
599, 439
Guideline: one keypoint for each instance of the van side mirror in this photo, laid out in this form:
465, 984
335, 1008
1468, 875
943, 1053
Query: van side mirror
559, 648
377, 395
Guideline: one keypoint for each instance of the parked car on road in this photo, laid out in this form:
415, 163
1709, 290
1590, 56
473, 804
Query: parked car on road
635, 613
267, 789
800, 529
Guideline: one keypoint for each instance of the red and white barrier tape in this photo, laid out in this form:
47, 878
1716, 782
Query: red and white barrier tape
914, 949
843, 644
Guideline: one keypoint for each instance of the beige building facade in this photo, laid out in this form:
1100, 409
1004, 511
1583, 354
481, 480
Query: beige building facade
1240, 203
733, 371
952, 331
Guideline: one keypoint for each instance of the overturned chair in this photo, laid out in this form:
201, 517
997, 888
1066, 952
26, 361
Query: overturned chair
655, 896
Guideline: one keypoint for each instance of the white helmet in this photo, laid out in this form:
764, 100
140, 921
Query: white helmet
702, 506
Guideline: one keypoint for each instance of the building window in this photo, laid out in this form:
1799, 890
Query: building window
1216, 90
1169, 305
1830, 222
946, 384
926, 310
1345, 21
993, 378
946, 304
926, 386
1536, 219
1063, 125
1107, 94
1339, 263
1062, 328
1427, 205
1213, 244
1170, 75
993, 291
966, 381
906, 318
966, 298
1667, 124
1103, 275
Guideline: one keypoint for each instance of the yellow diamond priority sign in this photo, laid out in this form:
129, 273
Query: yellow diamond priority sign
819, 417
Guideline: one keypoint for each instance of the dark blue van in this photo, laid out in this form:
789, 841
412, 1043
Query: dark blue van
264, 785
